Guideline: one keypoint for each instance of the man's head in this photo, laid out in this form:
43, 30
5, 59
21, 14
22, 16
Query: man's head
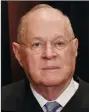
46, 47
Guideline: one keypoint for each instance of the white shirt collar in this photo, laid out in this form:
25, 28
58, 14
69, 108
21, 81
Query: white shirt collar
62, 99
68, 93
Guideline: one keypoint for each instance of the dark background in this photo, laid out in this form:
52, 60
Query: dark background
78, 12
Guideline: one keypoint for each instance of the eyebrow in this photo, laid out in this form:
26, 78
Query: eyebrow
37, 38
54, 38
59, 37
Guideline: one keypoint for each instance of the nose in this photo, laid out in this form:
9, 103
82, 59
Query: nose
48, 52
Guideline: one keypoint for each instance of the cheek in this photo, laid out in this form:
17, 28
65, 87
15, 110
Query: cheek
32, 63
68, 57
32, 68
27, 59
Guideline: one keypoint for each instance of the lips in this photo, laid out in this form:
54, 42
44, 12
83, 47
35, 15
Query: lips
50, 68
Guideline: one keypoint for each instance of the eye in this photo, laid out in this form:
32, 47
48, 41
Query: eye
37, 44
60, 43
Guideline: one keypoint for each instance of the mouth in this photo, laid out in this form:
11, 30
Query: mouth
50, 68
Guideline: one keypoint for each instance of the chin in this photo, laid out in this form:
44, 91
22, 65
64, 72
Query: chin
51, 82
55, 81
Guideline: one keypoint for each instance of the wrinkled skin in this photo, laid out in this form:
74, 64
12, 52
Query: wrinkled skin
47, 26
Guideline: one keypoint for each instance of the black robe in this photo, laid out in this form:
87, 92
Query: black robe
18, 97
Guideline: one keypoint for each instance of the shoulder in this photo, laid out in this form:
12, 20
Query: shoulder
12, 88
84, 86
84, 92
12, 93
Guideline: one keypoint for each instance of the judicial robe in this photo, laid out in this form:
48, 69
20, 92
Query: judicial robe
18, 97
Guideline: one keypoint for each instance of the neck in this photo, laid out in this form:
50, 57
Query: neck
52, 92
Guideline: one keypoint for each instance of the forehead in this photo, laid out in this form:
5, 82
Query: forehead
46, 24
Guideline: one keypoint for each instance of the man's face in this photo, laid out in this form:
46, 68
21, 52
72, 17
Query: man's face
48, 67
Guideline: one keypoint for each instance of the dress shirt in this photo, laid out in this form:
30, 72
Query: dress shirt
62, 99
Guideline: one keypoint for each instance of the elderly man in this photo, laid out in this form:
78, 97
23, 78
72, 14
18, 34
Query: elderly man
46, 48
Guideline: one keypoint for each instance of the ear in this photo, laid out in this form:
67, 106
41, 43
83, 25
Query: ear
16, 50
76, 46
